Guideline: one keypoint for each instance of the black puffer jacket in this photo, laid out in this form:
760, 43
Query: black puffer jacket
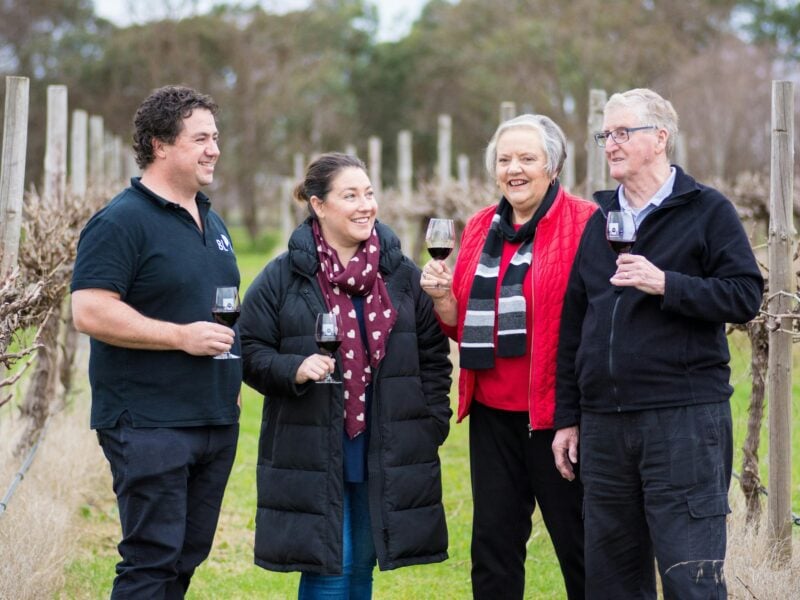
299, 472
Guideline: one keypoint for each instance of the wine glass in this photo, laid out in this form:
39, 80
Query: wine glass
226, 311
620, 230
440, 238
328, 334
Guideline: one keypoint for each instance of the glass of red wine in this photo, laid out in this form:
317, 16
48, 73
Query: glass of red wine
226, 311
440, 238
329, 334
620, 230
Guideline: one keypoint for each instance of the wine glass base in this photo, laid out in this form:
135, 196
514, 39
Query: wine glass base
225, 356
329, 380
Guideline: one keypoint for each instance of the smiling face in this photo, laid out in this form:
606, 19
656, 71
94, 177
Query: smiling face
641, 156
347, 213
521, 171
191, 159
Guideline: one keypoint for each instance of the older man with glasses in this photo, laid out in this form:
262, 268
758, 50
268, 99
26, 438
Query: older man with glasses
643, 378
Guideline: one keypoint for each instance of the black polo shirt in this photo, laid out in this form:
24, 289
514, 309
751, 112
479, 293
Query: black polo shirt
152, 253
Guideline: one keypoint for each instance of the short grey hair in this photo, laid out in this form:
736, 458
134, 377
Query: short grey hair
552, 138
651, 108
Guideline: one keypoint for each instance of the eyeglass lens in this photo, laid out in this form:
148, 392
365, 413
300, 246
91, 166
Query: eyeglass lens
620, 136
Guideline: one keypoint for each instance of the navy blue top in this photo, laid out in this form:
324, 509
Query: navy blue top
355, 450
151, 252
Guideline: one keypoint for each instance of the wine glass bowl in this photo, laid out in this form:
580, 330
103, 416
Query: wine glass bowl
440, 238
225, 311
620, 231
328, 334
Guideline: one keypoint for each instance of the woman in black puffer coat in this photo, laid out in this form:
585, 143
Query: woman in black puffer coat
335, 494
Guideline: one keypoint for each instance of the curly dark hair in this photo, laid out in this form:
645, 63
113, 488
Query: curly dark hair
161, 117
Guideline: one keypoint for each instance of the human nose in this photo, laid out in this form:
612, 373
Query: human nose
611, 144
364, 202
212, 148
514, 165
616, 138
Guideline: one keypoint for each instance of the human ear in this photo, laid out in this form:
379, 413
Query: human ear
317, 205
663, 137
158, 148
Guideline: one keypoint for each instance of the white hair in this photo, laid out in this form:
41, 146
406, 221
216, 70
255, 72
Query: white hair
552, 138
651, 108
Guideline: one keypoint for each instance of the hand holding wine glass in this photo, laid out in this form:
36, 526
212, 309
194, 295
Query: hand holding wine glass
329, 335
440, 240
225, 311
620, 231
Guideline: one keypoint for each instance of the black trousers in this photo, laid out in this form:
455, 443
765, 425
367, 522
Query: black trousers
512, 471
656, 486
169, 484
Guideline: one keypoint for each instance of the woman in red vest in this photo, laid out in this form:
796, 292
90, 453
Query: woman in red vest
502, 304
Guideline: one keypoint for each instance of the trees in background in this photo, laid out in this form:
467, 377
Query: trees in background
316, 79
35, 38
776, 22
545, 56
723, 99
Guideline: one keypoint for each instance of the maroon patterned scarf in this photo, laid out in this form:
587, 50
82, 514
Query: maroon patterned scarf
361, 277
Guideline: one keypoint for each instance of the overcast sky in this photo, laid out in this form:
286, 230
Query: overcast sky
395, 16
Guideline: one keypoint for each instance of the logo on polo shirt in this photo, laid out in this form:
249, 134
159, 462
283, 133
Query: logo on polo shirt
224, 244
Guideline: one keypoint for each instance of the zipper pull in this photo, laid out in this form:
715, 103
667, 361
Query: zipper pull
530, 431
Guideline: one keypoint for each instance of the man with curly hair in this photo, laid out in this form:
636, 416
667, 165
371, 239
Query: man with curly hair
166, 413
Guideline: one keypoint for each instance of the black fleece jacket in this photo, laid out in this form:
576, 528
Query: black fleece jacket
621, 349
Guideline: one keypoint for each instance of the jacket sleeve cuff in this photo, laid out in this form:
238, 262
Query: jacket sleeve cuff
673, 291
566, 418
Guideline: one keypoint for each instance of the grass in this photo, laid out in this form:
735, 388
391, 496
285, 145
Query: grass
38, 531
229, 572
740, 402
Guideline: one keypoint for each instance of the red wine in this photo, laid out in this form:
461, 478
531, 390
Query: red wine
621, 246
439, 252
226, 317
330, 346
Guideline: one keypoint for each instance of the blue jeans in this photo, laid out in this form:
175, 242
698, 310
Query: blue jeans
355, 582
169, 484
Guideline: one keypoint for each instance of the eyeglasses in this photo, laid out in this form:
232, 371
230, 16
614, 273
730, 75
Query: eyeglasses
620, 136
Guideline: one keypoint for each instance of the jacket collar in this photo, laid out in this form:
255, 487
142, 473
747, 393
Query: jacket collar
303, 253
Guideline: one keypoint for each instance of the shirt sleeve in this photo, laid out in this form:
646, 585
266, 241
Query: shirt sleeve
106, 258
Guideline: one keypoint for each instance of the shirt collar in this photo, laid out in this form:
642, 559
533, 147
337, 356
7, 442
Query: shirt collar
136, 182
662, 194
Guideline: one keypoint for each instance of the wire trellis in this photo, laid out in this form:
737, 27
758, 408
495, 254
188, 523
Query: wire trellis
20, 474
763, 491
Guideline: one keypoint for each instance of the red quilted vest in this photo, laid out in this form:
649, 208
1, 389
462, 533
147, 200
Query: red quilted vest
554, 248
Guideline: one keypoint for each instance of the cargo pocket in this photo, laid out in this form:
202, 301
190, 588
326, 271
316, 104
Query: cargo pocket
708, 505
707, 534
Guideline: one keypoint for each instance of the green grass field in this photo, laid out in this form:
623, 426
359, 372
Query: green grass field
229, 572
